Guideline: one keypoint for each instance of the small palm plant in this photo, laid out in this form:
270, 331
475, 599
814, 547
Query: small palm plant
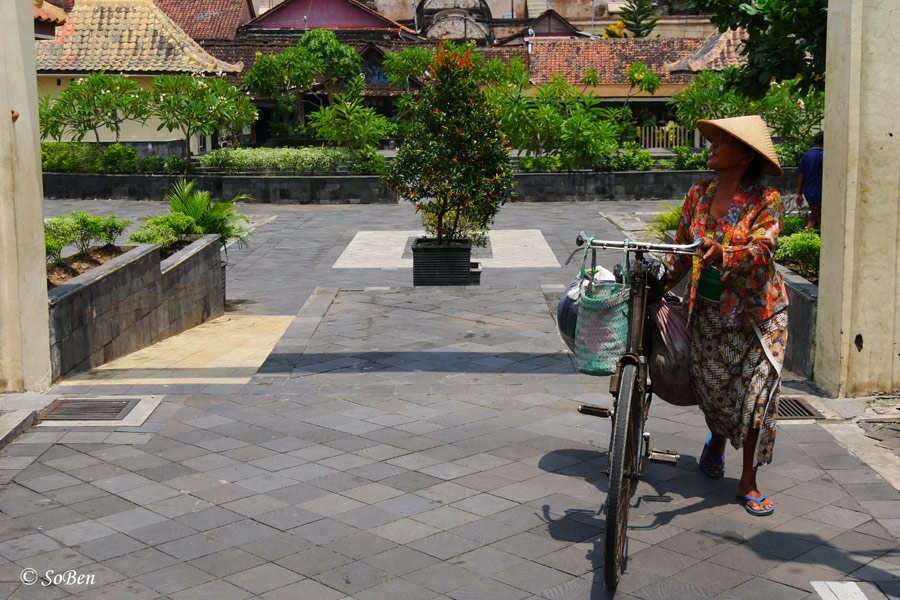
220, 217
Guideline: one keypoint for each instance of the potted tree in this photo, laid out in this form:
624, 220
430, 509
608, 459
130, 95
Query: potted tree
454, 167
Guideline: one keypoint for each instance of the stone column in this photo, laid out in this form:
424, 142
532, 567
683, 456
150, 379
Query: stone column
24, 329
858, 324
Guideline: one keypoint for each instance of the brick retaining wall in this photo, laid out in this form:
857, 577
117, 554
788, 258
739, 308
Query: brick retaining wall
368, 189
132, 302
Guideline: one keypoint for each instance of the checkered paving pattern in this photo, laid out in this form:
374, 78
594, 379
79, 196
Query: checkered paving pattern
422, 443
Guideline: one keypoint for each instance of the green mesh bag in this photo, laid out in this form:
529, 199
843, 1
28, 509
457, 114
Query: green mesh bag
601, 332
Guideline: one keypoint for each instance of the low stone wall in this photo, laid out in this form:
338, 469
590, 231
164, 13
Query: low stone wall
368, 189
800, 353
132, 302
625, 185
268, 189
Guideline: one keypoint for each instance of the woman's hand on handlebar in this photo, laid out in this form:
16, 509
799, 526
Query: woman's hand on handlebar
712, 256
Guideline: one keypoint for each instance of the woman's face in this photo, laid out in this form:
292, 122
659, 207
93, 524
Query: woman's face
728, 154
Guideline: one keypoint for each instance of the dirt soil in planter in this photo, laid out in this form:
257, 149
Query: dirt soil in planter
165, 253
77, 264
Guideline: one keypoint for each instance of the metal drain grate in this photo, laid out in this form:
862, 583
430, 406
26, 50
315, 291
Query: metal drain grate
795, 408
88, 409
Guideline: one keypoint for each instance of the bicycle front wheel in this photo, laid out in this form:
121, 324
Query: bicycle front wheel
623, 467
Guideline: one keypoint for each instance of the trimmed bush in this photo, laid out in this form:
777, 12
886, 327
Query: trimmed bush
631, 157
82, 157
792, 225
59, 232
802, 251
285, 160
164, 229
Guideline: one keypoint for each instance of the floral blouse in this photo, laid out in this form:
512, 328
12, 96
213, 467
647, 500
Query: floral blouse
752, 290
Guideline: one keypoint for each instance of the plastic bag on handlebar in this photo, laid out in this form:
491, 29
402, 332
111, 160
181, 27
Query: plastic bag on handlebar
654, 271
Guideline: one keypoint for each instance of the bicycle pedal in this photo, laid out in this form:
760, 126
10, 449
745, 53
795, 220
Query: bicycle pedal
667, 457
595, 411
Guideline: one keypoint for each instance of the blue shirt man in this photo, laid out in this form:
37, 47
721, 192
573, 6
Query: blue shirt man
809, 182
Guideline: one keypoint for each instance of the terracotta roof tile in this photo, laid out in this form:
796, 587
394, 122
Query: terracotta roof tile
208, 19
123, 36
610, 57
720, 50
48, 12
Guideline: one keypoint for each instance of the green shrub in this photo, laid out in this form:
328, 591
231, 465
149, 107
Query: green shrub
119, 159
152, 164
687, 160
70, 157
630, 157
175, 164
665, 221
792, 225
369, 163
59, 232
88, 229
111, 228
288, 160
164, 229
220, 217
801, 249
545, 164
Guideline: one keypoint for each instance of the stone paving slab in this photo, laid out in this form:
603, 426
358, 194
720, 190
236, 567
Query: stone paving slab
423, 443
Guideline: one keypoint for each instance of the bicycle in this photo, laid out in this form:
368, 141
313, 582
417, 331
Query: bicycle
631, 389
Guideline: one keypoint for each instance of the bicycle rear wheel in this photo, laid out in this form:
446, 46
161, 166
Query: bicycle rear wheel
623, 466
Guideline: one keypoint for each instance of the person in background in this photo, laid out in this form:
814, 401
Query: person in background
737, 300
809, 181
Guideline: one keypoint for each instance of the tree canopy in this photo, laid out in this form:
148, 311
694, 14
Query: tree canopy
786, 41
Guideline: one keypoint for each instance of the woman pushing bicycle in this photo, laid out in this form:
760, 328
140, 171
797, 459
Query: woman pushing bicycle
737, 307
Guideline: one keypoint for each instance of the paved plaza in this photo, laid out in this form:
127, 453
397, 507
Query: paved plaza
340, 434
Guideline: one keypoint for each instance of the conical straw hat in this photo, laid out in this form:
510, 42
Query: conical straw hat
751, 130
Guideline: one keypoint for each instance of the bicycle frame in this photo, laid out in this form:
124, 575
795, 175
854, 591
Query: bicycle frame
628, 444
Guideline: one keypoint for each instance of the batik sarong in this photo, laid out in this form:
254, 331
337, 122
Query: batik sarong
736, 374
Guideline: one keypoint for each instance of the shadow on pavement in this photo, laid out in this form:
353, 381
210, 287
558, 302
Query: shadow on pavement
848, 560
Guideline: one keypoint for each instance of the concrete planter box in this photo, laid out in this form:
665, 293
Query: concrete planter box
131, 302
800, 353
369, 189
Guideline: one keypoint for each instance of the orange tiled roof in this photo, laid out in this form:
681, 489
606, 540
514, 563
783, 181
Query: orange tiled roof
720, 50
123, 36
208, 19
48, 12
610, 57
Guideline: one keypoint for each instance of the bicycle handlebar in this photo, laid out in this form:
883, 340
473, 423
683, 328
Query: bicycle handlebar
640, 246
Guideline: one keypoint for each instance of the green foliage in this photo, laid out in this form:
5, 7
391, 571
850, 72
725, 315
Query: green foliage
802, 249
792, 225
340, 65
401, 68
285, 78
546, 164
59, 232
370, 163
287, 160
630, 157
642, 78
70, 157
638, 17
164, 230
199, 106
220, 217
111, 228
456, 167
686, 159
97, 101
81, 157
348, 123
87, 229
792, 112
786, 39
665, 221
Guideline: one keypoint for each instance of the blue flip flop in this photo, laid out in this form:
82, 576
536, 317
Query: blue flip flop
714, 462
759, 513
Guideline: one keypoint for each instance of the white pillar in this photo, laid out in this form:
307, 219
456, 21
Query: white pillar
24, 329
858, 323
